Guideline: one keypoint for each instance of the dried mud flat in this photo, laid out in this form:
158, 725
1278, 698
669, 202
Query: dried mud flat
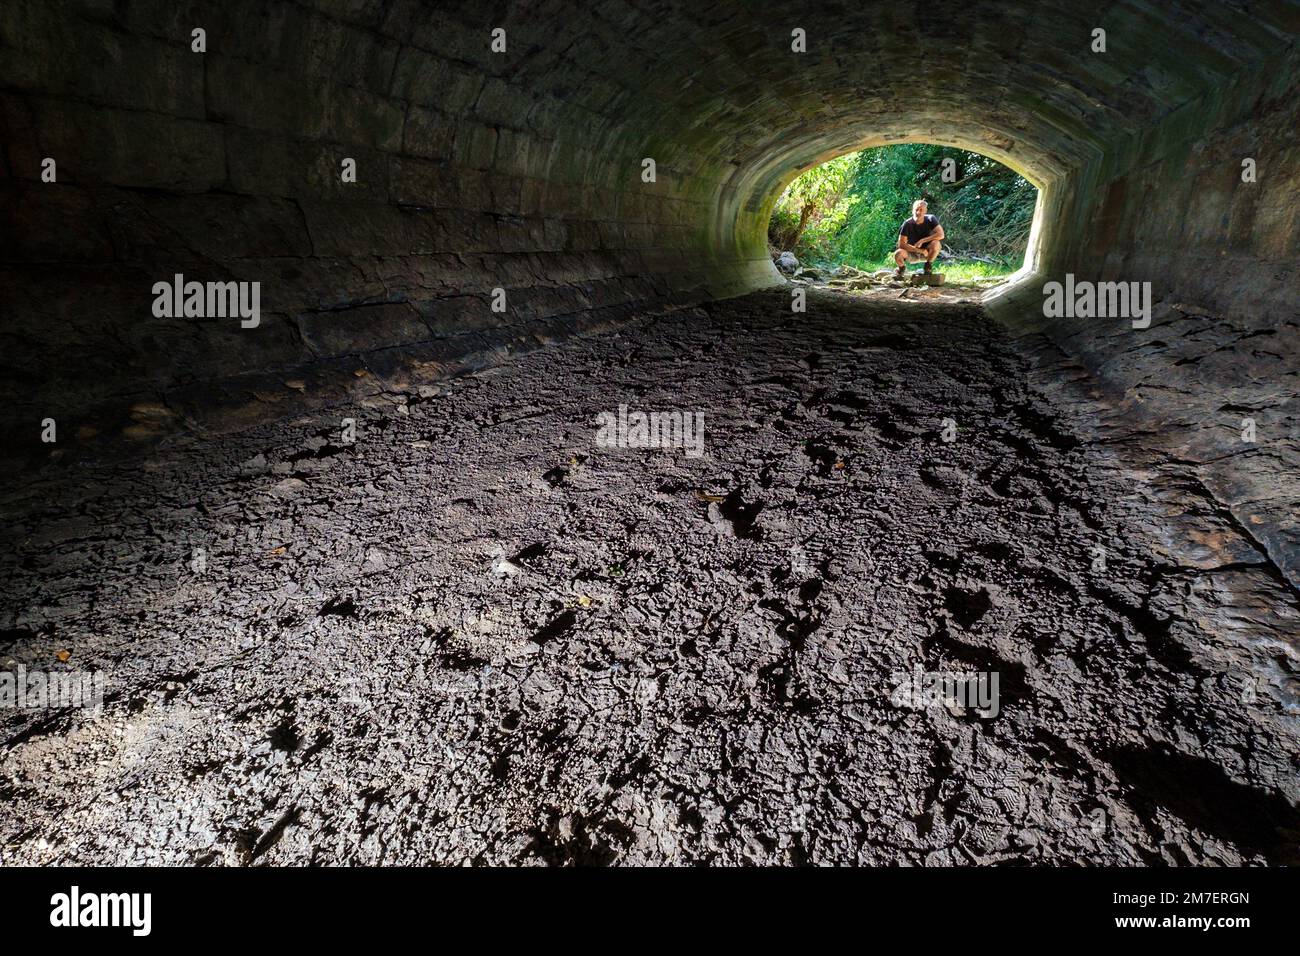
475, 636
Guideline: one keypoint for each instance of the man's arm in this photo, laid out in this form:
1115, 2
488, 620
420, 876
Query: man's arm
934, 236
905, 245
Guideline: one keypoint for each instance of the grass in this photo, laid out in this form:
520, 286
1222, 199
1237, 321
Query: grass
958, 271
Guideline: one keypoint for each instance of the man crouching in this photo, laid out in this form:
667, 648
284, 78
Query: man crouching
918, 239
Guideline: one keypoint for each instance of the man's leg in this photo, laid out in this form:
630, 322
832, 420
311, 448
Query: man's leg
931, 253
900, 260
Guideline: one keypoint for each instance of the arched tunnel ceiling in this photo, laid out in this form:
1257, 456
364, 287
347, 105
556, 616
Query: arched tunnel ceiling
730, 113
713, 92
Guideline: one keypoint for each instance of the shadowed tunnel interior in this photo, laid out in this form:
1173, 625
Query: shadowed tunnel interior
522, 170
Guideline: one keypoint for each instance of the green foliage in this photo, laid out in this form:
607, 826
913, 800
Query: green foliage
849, 210
812, 210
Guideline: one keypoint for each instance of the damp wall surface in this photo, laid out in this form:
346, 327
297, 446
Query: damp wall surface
1205, 207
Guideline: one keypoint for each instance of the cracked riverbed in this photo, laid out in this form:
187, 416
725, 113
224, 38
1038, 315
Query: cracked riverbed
471, 633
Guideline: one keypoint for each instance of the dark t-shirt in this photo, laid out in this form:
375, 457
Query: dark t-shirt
914, 232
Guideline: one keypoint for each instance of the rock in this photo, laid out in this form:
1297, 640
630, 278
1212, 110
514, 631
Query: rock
504, 567
787, 263
254, 466
288, 488
721, 521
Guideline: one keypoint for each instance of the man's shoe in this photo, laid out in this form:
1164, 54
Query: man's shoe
899, 272
929, 268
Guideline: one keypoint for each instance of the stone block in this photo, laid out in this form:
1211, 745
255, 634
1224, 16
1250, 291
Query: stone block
427, 134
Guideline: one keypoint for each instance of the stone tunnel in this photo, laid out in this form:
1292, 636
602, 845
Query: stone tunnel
571, 655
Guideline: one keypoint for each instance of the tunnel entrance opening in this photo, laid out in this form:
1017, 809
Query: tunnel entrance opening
842, 220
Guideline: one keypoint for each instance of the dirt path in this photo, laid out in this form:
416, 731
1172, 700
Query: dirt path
473, 635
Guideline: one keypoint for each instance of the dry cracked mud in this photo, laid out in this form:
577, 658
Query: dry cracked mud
475, 636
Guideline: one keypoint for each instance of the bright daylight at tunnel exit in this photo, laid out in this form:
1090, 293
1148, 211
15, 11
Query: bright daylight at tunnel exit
643, 434
842, 215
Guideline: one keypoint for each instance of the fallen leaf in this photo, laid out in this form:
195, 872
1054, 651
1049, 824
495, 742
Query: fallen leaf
280, 550
63, 656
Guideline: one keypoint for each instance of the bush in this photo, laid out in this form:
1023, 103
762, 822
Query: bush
811, 212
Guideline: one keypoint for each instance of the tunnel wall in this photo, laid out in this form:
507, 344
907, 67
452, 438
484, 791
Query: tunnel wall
225, 165
1223, 349
1171, 205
